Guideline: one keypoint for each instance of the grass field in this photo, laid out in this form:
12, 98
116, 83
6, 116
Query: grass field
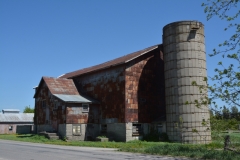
218, 140
209, 151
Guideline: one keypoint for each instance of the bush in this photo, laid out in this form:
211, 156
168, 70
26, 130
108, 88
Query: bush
154, 136
224, 124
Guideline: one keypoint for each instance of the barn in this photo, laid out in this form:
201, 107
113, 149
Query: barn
14, 122
132, 95
118, 98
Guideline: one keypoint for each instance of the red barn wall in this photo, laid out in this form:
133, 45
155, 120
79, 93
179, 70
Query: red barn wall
76, 115
144, 98
108, 87
132, 92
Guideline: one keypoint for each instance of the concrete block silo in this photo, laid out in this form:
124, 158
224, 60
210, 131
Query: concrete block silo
185, 62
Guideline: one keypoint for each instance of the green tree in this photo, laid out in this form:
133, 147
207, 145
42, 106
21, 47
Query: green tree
227, 79
28, 109
211, 112
225, 113
234, 112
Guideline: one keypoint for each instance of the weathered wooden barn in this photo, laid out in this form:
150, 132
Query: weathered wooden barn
130, 96
122, 99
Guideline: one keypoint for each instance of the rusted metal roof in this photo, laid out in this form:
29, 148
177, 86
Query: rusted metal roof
72, 98
65, 90
61, 86
20, 117
58, 86
117, 61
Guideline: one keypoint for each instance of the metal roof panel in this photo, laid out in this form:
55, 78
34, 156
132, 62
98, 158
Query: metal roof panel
17, 117
61, 86
72, 98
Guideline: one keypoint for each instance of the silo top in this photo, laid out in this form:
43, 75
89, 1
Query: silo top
178, 23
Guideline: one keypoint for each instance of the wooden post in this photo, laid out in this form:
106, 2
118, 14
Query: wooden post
227, 142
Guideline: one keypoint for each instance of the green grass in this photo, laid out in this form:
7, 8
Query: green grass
218, 140
41, 139
192, 151
208, 151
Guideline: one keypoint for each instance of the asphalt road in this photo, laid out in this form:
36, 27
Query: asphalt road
13, 150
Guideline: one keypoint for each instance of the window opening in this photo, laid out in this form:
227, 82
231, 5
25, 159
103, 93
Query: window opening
43, 103
136, 129
10, 128
85, 107
160, 128
103, 128
76, 130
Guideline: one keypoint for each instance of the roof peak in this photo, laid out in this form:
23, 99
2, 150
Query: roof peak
110, 63
58, 86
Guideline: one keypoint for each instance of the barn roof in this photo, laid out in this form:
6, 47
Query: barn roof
114, 62
19, 117
72, 98
61, 86
64, 89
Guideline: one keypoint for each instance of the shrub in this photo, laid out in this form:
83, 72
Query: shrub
154, 136
224, 124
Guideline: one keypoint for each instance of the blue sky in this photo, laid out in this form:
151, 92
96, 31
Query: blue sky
53, 37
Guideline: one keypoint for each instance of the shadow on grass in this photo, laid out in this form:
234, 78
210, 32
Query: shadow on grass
25, 136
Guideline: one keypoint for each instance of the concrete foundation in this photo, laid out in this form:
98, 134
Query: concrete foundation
88, 132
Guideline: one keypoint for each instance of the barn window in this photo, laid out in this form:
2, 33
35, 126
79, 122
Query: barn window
85, 107
56, 106
76, 130
103, 128
136, 129
10, 128
160, 128
43, 103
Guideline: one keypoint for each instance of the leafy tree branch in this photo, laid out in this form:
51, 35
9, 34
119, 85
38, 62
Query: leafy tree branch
226, 85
